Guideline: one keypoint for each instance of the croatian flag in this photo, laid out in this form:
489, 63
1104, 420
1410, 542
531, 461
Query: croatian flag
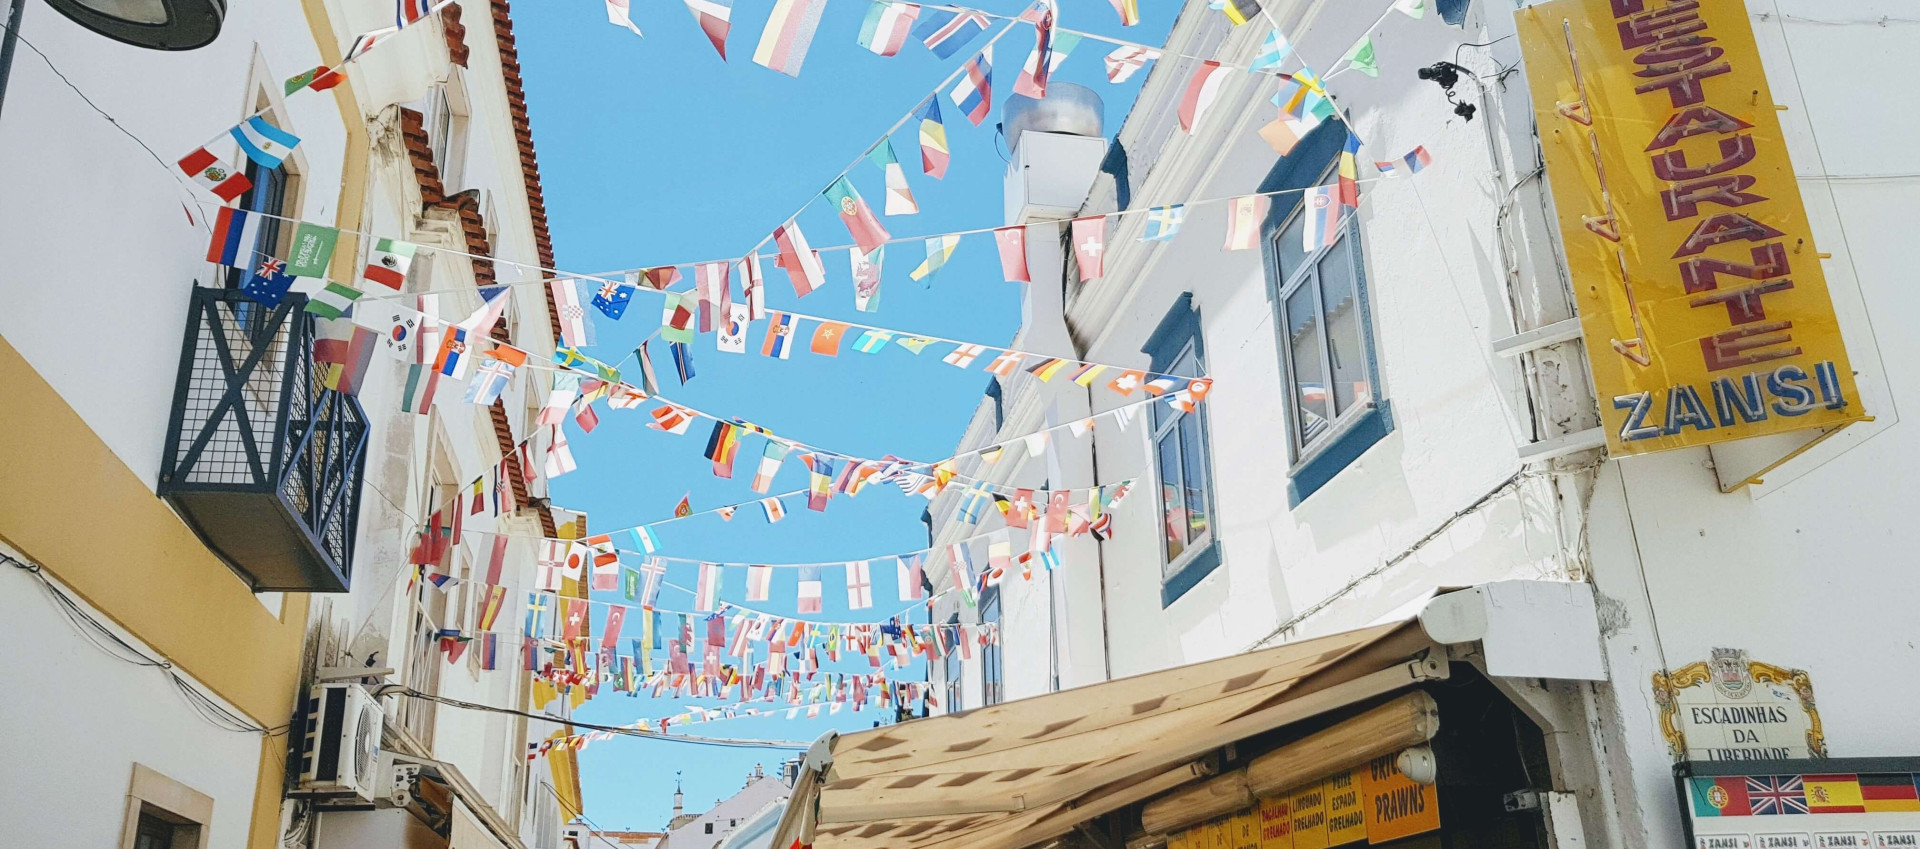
263, 142
974, 94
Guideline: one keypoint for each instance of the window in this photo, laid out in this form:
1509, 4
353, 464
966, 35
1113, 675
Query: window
446, 124
1329, 372
164, 814
990, 667
709, 828
269, 196
1182, 457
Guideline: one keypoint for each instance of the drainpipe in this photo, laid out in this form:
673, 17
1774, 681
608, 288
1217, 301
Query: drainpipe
7, 42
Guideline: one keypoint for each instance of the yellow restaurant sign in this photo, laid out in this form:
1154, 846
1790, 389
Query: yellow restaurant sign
1702, 300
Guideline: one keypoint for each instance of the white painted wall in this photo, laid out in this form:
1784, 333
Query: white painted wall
74, 735
99, 250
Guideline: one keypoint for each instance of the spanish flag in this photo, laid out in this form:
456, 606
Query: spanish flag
1889, 792
1834, 794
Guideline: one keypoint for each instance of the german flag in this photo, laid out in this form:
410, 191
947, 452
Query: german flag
1889, 792
1834, 794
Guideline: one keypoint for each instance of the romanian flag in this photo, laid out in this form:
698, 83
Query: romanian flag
1889, 792
1834, 794
1350, 172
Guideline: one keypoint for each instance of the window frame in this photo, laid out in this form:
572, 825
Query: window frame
953, 670
1349, 241
1179, 333
992, 668
155, 797
447, 116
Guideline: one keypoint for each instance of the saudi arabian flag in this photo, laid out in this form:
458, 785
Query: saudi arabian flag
333, 300
1360, 57
312, 249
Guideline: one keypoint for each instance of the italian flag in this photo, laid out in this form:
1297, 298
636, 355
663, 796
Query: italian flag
387, 265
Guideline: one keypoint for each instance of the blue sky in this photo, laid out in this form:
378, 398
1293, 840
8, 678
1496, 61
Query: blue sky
653, 151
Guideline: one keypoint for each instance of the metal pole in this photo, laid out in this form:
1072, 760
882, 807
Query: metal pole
6, 44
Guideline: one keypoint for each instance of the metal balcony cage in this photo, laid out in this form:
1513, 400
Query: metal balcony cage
261, 458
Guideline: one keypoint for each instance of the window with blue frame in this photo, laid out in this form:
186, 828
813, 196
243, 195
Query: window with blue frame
268, 195
1329, 367
1182, 457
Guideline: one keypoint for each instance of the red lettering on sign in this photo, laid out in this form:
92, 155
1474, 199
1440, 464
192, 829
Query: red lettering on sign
1683, 201
1671, 21
1734, 152
1701, 273
1725, 227
1694, 121
1740, 346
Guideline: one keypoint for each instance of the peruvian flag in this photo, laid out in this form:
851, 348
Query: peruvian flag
218, 177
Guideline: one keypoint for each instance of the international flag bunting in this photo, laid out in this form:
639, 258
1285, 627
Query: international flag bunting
572, 315
1415, 9
320, 78
659, 279
1085, 374
732, 338
826, 338
759, 582
365, 42
819, 481
495, 371
1047, 368
963, 356
808, 600
974, 93
770, 459
1129, 11
312, 249
682, 360
408, 11
960, 569
1888, 792
859, 585
620, 15
712, 286
907, 571
933, 142
866, 276
388, 262
799, 259
939, 250
722, 446
753, 287
235, 232
1244, 217
1349, 171
854, 212
347, 360
706, 594
263, 142
1322, 218
422, 379
871, 341
1202, 91
715, 18
612, 298
1273, 51
774, 509
1032, 81
1127, 382
885, 28
779, 336
913, 344
216, 176
783, 44
1163, 222
398, 327
945, 31
1012, 242
1126, 59
559, 455
332, 300
1241, 11
1415, 160
1360, 57
684, 507
1090, 246
1004, 364
899, 195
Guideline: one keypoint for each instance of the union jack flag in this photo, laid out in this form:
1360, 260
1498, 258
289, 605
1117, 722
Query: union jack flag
1776, 794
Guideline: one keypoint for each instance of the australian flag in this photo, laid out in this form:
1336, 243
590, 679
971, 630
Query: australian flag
269, 283
612, 299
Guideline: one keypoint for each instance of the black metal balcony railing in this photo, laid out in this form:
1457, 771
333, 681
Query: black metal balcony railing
261, 458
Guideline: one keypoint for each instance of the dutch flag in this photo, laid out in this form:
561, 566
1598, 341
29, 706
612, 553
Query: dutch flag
263, 142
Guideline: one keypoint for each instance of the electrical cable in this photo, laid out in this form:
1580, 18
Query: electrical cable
104, 638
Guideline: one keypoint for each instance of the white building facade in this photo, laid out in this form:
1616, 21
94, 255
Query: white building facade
1410, 411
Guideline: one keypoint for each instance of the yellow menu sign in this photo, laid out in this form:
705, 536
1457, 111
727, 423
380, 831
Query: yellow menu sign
1346, 822
1276, 823
1702, 301
1310, 817
1395, 805
1245, 830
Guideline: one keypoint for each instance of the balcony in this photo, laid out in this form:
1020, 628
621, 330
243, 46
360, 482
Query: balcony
262, 460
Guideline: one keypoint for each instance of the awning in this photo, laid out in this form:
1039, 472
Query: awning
1015, 774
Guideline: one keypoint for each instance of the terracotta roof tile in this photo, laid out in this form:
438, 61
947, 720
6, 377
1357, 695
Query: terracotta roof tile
456, 33
523, 134
433, 194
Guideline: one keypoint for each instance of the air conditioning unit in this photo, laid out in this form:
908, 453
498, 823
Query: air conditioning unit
340, 754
